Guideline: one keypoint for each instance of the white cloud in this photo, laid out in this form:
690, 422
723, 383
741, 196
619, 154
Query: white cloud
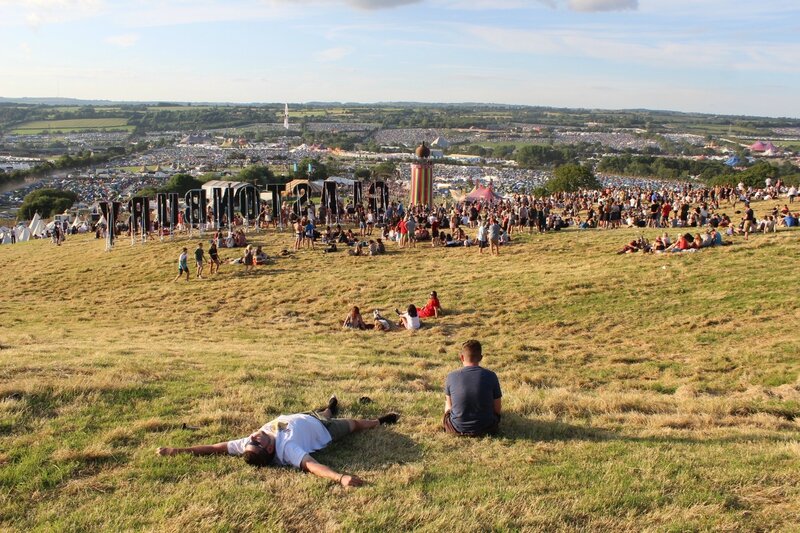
603, 5
35, 13
380, 4
651, 50
572, 5
366, 5
333, 54
125, 40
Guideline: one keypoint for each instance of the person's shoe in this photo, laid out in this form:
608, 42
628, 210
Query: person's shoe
333, 406
389, 418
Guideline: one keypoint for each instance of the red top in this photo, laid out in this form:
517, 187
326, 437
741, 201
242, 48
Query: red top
430, 308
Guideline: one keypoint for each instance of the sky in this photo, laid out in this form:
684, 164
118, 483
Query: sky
711, 56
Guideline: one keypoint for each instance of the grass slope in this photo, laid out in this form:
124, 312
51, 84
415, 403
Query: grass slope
641, 392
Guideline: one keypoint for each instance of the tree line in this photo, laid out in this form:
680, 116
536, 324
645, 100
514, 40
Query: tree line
707, 171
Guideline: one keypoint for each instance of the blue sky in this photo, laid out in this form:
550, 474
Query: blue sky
715, 56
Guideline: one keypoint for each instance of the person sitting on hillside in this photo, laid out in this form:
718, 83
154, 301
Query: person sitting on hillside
472, 396
409, 319
248, 259
327, 237
432, 308
683, 243
639, 245
789, 221
239, 238
260, 257
768, 225
357, 251
353, 320
381, 323
290, 439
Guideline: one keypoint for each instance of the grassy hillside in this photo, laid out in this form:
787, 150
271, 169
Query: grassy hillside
641, 392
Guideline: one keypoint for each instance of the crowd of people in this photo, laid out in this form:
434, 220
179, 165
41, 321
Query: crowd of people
472, 394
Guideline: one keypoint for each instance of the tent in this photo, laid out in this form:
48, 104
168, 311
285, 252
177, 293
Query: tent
36, 227
758, 146
341, 181
733, 161
440, 142
316, 186
482, 194
5, 236
236, 185
23, 234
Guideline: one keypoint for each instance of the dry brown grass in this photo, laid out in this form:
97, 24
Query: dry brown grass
642, 392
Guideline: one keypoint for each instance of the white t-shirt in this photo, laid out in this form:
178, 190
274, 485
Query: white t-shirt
295, 436
412, 322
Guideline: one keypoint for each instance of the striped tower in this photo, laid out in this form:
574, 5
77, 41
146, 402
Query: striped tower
422, 178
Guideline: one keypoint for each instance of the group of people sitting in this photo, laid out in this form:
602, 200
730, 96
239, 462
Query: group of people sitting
250, 258
684, 243
410, 320
233, 239
473, 407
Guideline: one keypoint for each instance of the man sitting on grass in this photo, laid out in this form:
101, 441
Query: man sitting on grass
472, 396
289, 439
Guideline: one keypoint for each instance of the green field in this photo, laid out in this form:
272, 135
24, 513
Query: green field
72, 126
641, 393
180, 108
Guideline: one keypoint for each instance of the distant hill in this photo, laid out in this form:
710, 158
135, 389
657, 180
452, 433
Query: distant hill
57, 101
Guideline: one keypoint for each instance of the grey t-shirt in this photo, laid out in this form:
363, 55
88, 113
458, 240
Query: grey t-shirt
472, 391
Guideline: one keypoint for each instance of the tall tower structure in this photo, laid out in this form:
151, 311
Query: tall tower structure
422, 177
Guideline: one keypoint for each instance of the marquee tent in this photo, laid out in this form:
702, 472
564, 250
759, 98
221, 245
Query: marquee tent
316, 186
482, 194
341, 181
212, 184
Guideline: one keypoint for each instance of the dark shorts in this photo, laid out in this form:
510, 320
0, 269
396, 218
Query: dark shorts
182, 269
448, 427
337, 427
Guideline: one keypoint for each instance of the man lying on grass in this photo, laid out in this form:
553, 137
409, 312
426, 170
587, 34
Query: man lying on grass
289, 439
